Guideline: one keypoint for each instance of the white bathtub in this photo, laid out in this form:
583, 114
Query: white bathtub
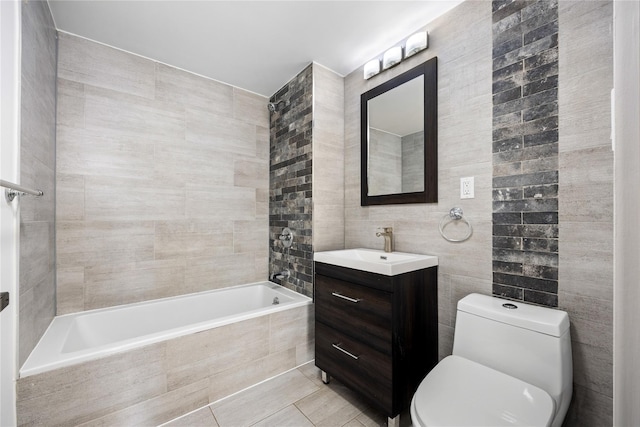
83, 336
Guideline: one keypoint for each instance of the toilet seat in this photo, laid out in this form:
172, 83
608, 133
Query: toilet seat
460, 392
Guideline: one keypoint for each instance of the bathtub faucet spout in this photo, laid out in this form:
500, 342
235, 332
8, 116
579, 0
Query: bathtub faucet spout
281, 275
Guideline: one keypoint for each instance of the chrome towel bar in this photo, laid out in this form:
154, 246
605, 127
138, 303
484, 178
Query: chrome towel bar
13, 190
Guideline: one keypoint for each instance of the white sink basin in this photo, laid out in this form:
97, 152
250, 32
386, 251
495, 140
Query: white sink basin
376, 261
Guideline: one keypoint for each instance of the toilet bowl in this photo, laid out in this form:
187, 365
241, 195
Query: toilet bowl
511, 366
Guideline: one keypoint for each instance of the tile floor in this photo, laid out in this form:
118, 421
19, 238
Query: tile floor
297, 398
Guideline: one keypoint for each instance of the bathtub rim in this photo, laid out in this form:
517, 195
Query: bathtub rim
133, 343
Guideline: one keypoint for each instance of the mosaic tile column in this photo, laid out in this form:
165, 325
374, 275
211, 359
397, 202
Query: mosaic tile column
525, 150
290, 172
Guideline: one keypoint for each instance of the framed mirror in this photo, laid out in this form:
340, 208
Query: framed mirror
399, 139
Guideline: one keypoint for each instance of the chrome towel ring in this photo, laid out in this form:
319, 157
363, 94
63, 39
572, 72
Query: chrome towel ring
455, 214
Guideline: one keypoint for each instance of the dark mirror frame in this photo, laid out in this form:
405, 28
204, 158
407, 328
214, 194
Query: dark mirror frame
430, 194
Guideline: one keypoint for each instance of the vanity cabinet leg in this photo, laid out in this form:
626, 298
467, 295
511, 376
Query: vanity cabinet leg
393, 422
325, 377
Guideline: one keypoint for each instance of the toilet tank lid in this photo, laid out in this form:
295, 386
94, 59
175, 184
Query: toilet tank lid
540, 319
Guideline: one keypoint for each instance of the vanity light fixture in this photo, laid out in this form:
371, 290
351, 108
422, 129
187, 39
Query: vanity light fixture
416, 43
392, 57
371, 68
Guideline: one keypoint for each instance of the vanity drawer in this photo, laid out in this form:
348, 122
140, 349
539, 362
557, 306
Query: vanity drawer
355, 364
360, 312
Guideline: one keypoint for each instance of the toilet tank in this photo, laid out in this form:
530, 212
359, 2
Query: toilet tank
525, 341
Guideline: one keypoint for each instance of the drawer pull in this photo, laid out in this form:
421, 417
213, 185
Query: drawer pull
337, 347
335, 294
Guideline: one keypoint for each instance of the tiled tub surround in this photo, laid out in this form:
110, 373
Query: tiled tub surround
155, 383
525, 150
37, 281
162, 180
462, 40
290, 176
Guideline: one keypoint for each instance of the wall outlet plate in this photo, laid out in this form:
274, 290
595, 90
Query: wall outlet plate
466, 188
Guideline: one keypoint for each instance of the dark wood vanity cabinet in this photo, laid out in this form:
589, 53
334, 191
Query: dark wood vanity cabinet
377, 334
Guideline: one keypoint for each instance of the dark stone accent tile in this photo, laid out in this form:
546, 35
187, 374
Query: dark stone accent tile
540, 217
511, 156
528, 205
540, 8
507, 169
541, 298
507, 83
507, 95
507, 34
540, 126
540, 111
539, 98
541, 32
513, 230
505, 24
507, 119
508, 71
303, 172
507, 194
507, 218
548, 259
530, 23
507, 267
541, 191
508, 255
530, 101
508, 107
545, 57
508, 292
507, 242
540, 151
499, 4
532, 283
508, 133
540, 271
538, 178
541, 138
525, 149
541, 72
526, 52
290, 181
509, 9
540, 164
510, 144
547, 231
540, 85
540, 245
507, 46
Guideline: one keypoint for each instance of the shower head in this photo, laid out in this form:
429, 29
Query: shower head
273, 106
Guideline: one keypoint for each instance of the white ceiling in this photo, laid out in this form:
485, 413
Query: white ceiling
254, 45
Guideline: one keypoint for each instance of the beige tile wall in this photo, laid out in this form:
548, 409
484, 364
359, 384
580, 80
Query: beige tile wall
159, 382
586, 203
461, 40
37, 170
328, 159
162, 180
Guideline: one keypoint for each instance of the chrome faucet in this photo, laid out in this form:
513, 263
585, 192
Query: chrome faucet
387, 233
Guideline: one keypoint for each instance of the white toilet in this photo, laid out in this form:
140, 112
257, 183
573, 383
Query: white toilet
511, 366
